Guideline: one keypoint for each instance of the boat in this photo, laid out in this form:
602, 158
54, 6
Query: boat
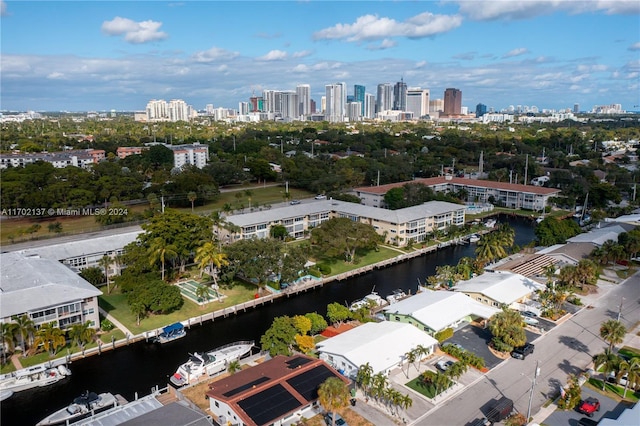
397, 295
209, 363
4, 394
83, 406
490, 223
474, 238
370, 300
33, 377
170, 333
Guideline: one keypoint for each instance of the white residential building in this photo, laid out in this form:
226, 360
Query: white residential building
304, 99
46, 291
336, 102
369, 106
499, 289
385, 97
418, 101
382, 345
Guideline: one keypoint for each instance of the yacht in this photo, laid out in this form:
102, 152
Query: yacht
170, 333
370, 300
490, 223
33, 377
474, 238
397, 295
210, 363
83, 406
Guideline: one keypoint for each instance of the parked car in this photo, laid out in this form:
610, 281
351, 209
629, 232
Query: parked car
523, 351
321, 197
530, 321
611, 378
589, 406
500, 410
528, 314
294, 202
339, 421
444, 365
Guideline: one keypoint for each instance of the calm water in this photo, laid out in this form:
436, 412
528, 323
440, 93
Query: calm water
141, 366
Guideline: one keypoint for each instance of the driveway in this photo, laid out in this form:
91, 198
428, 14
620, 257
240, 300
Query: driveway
476, 340
608, 408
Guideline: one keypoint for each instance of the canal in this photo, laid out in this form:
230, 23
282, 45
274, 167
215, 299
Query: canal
139, 367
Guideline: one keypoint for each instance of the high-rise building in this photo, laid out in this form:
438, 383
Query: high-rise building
256, 103
157, 110
417, 101
452, 101
243, 108
576, 108
269, 100
288, 105
336, 99
400, 96
436, 105
304, 99
369, 106
385, 97
353, 111
313, 107
358, 95
481, 109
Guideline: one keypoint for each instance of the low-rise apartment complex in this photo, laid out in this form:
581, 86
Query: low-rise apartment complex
401, 227
511, 195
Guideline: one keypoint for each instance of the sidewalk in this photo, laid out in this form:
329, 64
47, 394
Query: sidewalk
117, 323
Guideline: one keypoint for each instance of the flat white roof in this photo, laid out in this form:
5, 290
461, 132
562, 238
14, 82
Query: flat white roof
599, 236
88, 246
428, 209
31, 283
503, 287
382, 345
439, 309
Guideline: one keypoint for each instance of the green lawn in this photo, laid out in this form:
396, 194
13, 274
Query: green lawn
338, 266
610, 389
116, 305
419, 386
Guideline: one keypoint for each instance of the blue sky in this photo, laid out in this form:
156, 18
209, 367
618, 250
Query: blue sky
97, 55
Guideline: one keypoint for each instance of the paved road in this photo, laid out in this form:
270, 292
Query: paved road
566, 349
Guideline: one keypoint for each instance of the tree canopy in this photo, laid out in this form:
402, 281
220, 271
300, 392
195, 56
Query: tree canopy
343, 236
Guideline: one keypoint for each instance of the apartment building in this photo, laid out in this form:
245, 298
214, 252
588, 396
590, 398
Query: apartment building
401, 227
77, 158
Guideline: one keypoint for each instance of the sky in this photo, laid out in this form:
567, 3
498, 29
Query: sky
103, 55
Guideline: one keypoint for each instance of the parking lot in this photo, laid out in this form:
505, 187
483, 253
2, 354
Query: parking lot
608, 408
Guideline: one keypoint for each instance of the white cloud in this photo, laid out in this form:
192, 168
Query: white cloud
584, 68
300, 68
384, 44
214, 54
3, 8
421, 64
273, 55
516, 52
510, 9
56, 76
134, 32
372, 27
301, 54
635, 46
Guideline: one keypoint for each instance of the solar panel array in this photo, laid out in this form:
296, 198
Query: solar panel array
298, 361
246, 386
307, 384
270, 404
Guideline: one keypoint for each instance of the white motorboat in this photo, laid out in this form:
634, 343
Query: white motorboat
474, 238
4, 394
170, 333
370, 300
33, 377
83, 406
490, 223
210, 363
396, 296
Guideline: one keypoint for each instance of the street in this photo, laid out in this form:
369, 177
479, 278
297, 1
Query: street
567, 349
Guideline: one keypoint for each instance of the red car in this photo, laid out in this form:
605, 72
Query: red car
589, 406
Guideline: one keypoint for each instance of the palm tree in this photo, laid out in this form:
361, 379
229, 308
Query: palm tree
82, 333
612, 332
632, 369
410, 357
50, 337
608, 361
209, 255
161, 251
25, 327
202, 293
192, 196
421, 352
105, 262
139, 310
333, 394
378, 385
234, 366
364, 376
406, 402
8, 330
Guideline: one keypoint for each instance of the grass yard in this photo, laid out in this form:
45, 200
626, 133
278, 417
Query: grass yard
339, 266
116, 304
613, 391
428, 390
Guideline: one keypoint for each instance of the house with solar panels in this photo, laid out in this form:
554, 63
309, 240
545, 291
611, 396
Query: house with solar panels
279, 391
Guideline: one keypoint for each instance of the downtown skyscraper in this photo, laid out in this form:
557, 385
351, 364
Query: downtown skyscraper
304, 99
358, 96
452, 102
336, 102
385, 97
400, 96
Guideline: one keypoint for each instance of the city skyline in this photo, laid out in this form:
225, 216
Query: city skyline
118, 55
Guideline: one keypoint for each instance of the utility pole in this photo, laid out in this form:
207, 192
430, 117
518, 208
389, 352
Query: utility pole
526, 166
533, 385
620, 308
